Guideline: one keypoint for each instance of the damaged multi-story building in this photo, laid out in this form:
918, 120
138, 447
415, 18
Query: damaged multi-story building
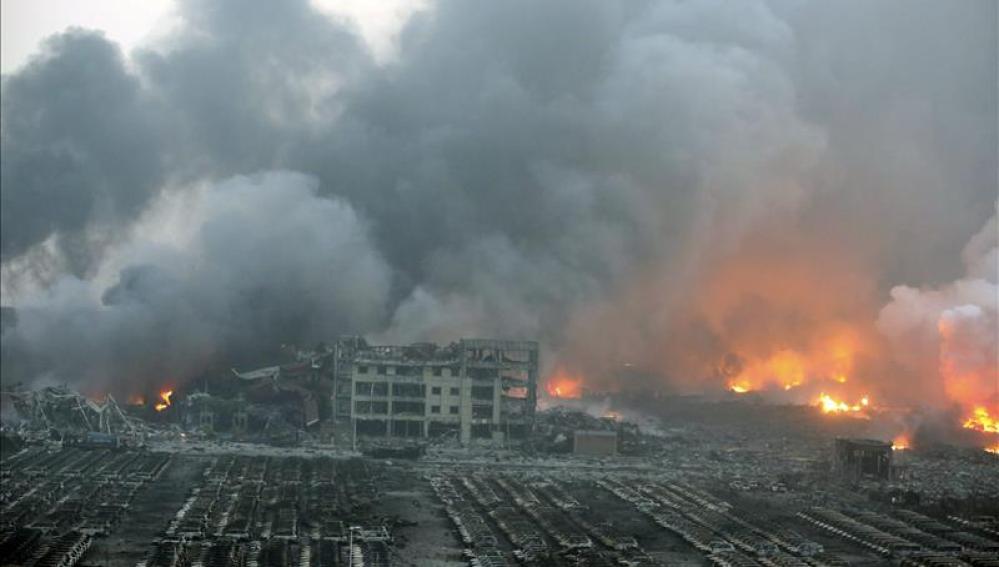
350, 392
471, 390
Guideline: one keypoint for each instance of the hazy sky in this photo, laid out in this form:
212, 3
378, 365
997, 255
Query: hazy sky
26, 22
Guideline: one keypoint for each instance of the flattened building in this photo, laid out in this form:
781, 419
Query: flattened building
471, 390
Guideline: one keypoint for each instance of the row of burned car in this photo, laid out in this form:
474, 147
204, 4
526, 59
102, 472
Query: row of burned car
910, 536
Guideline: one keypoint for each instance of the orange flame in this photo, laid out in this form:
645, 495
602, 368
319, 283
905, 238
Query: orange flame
982, 421
828, 358
968, 368
828, 404
994, 449
786, 367
165, 403
900, 443
561, 384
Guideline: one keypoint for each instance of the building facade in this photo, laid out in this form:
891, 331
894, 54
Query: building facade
473, 390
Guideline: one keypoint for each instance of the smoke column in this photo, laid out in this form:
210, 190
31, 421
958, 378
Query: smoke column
704, 190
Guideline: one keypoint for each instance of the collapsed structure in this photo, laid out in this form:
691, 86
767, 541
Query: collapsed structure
470, 390
59, 410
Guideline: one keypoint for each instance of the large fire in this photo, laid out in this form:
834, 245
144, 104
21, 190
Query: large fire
982, 421
967, 364
164, 402
562, 384
786, 368
828, 404
829, 359
826, 362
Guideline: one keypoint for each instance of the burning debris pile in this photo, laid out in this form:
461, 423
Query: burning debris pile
164, 401
828, 404
980, 420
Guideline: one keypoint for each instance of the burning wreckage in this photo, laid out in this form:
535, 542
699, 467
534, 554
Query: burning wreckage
467, 466
349, 394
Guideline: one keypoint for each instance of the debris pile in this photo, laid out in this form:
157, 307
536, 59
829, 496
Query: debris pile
555, 429
65, 412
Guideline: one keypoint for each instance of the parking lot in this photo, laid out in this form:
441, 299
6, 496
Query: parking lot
64, 506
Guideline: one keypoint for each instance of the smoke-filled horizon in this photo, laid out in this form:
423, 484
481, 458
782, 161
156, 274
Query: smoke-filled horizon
726, 195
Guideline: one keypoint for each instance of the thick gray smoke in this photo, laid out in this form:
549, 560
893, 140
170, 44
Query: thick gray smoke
519, 167
204, 274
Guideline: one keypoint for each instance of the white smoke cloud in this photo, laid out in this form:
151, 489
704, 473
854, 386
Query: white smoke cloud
948, 336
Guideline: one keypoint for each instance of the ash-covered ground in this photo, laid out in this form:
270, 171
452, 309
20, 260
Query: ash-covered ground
699, 482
